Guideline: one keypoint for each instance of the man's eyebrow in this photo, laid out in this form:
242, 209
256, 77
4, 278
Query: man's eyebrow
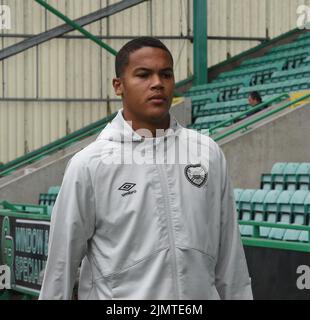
147, 69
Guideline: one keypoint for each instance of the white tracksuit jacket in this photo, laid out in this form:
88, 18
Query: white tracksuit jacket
146, 230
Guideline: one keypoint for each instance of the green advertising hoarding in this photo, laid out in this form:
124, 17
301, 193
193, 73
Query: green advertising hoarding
24, 248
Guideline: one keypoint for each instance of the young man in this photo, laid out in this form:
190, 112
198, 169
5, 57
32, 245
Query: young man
148, 206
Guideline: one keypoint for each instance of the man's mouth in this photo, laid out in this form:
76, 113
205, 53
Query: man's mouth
157, 99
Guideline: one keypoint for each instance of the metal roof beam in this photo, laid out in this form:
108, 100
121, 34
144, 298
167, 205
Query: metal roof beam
65, 28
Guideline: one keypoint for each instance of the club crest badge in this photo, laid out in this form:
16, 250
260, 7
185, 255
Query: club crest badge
196, 174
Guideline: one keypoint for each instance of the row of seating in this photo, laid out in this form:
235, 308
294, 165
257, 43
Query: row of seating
301, 43
214, 108
262, 71
275, 206
287, 176
231, 86
210, 121
275, 88
291, 55
298, 73
48, 199
284, 68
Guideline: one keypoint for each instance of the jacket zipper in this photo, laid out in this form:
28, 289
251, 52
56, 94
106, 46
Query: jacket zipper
163, 179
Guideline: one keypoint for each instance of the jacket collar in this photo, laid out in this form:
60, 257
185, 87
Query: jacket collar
120, 130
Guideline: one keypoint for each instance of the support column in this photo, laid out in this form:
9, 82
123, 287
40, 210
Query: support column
200, 42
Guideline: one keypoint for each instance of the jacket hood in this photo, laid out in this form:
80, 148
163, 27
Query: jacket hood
120, 130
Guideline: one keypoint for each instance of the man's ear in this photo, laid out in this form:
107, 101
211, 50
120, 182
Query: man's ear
118, 86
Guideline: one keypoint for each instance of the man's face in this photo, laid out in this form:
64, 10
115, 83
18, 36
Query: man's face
252, 102
147, 85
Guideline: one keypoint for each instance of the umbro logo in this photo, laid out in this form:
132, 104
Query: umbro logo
127, 186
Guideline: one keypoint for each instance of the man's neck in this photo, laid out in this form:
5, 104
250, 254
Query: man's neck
153, 127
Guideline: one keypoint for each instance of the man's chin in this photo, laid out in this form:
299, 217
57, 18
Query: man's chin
158, 114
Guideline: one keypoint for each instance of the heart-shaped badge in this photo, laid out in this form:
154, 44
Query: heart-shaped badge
196, 174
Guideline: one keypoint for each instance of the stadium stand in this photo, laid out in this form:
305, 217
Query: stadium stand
280, 201
282, 69
277, 214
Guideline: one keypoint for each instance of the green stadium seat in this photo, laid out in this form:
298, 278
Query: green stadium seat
290, 178
53, 190
210, 121
303, 176
284, 214
298, 54
237, 194
261, 72
258, 209
299, 73
275, 88
304, 235
207, 131
304, 36
298, 214
277, 172
210, 109
230, 86
301, 44
305, 62
245, 208
271, 209
201, 100
266, 181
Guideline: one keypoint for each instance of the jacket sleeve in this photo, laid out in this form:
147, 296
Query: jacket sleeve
231, 273
72, 225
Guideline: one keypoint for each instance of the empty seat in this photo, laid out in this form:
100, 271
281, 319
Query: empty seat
201, 100
245, 208
298, 214
303, 176
301, 72
275, 88
258, 209
278, 177
264, 71
284, 214
268, 180
302, 43
298, 54
304, 235
271, 209
53, 190
210, 121
231, 86
237, 194
304, 35
290, 178
210, 109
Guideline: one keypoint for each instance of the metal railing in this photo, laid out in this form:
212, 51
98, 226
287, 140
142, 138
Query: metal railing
55, 146
257, 240
249, 112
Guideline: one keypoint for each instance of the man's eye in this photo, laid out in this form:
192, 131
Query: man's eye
142, 75
167, 75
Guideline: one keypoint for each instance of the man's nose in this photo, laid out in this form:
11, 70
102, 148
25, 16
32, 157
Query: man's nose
157, 82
